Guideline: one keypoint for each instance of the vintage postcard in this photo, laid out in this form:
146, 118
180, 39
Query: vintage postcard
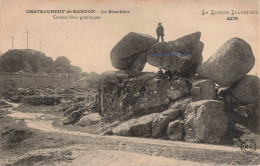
129, 82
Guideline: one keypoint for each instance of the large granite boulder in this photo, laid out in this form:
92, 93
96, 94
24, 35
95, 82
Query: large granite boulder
206, 121
124, 96
203, 89
186, 64
139, 127
229, 64
247, 90
130, 52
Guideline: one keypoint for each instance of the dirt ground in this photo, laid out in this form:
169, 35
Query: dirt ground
29, 137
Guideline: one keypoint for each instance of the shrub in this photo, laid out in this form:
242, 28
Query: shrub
41, 100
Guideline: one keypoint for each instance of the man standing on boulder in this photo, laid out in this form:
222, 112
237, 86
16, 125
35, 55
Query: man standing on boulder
160, 32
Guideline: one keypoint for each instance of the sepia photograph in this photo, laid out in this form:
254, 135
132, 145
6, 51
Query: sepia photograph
129, 82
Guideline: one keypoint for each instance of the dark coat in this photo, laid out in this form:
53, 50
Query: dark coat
168, 73
160, 31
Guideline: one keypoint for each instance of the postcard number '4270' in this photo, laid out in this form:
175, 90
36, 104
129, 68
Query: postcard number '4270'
232, 18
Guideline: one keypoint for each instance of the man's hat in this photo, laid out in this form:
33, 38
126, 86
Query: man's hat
159, 23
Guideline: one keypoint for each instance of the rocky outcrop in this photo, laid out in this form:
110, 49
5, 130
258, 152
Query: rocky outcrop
130, 52
229, 64
203, 89
139, 127
75, 109
247, 90
185, 107
186, 64
206, 121
124, 96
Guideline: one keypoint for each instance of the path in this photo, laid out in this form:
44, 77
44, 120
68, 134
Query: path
43, 122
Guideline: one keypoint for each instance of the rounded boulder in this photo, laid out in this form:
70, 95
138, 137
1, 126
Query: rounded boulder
229, 64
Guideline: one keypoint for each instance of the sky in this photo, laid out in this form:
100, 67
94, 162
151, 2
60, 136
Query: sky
87, 43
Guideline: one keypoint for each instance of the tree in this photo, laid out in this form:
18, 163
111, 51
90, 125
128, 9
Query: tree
75, 70
62, 64
60, 69
28, 68
12, 62
62, 61
49, 69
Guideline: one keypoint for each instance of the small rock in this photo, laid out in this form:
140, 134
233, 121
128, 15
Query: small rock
70, 110
90, 119
175, 130
160, 123
159, 126
108, 132
72, 118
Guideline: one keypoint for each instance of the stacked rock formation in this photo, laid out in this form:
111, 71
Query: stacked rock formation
204, 106
134, 50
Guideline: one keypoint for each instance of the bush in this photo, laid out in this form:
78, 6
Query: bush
41, 100
9, 88
3, 104
16, 135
